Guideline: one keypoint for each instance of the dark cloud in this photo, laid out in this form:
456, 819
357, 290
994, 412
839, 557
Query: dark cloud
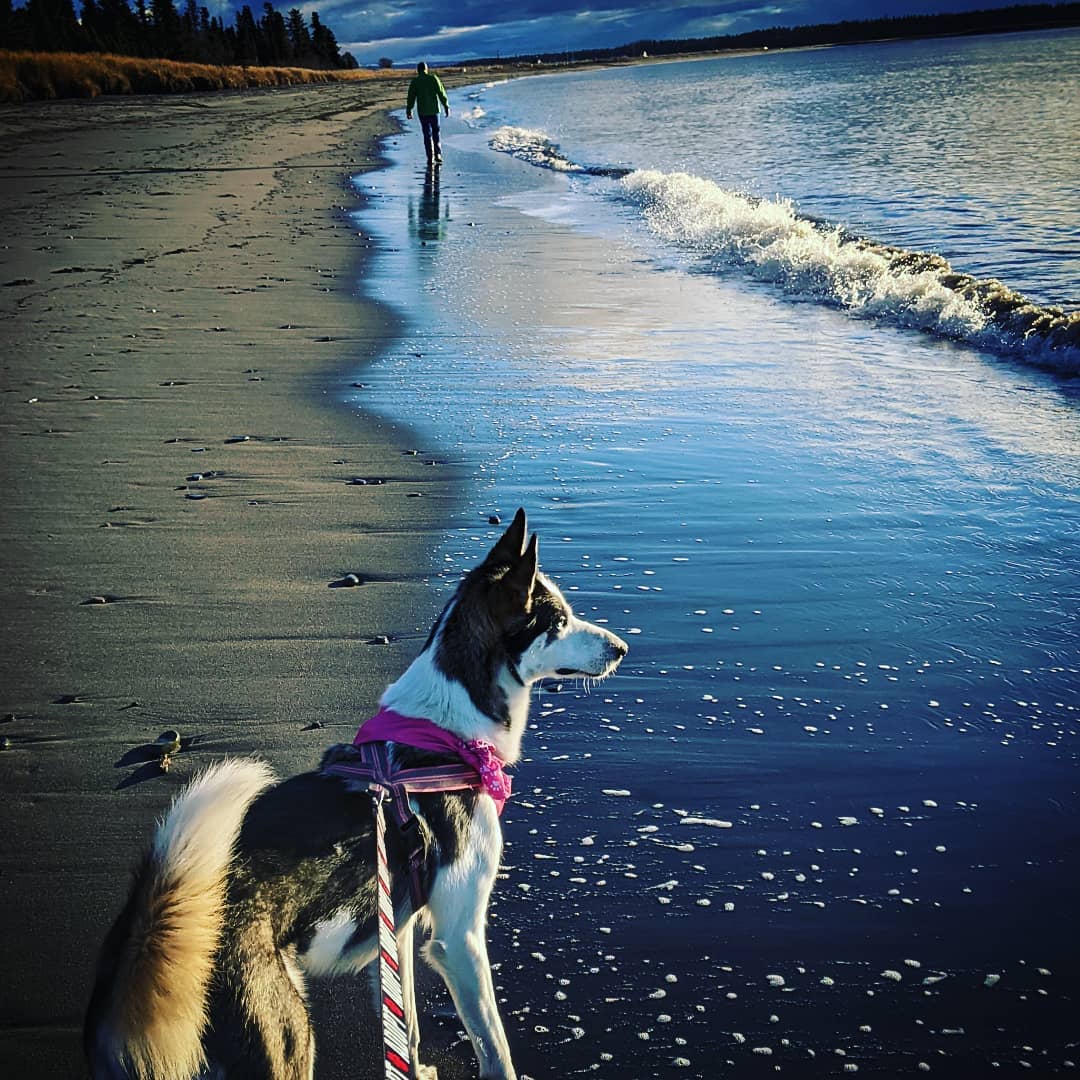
409, 30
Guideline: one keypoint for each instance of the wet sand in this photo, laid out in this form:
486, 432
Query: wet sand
178, 297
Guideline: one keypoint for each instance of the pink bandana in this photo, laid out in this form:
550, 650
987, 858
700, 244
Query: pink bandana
389, 726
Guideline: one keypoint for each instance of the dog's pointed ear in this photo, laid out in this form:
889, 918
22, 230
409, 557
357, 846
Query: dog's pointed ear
511, 545
521, 578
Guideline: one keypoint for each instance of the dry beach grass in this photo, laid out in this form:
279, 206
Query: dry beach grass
35, 76
177, 297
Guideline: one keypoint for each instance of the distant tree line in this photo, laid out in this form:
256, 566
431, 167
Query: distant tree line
992, 21
158, 29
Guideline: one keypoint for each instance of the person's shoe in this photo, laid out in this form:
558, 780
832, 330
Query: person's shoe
438, 159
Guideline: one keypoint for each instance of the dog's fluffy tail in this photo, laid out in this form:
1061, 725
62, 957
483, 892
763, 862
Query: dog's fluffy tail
148, 1010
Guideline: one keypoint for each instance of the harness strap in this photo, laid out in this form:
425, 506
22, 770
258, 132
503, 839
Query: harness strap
396, 784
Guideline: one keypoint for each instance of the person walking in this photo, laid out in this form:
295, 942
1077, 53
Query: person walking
426, 93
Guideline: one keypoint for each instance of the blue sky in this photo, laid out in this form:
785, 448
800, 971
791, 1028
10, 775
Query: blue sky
443, 30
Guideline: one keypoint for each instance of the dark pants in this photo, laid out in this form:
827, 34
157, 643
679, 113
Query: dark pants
430, 127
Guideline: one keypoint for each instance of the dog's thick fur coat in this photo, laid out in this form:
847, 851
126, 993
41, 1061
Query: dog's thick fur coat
250, 884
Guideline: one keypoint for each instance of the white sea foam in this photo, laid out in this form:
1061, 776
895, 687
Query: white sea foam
532, 146
768, 238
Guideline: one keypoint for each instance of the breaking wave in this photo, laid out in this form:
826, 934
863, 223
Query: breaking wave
537, 149
771, 242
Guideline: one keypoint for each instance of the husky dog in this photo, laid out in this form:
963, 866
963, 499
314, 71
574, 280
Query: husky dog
250, 882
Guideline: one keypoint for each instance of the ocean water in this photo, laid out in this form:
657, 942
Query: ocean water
697, 319
932, 185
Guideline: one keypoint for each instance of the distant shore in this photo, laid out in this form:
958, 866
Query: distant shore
30, 76
178, 312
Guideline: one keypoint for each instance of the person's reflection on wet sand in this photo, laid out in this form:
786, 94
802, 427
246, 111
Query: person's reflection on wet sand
430, 214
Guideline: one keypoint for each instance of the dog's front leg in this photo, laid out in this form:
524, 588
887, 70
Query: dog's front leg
458, 949
463, 964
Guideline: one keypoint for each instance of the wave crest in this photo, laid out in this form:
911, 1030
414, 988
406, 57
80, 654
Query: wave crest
768, 239
534, 147
537, 148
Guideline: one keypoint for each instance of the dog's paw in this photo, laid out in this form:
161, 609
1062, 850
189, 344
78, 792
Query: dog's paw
426, 1072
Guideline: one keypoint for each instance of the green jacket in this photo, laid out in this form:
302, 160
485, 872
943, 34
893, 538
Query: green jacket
426, 92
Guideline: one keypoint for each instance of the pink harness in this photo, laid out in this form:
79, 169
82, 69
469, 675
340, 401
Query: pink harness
389, 726
479, 768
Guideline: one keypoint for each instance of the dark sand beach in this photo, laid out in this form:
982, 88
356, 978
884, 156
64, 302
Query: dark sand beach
177, 296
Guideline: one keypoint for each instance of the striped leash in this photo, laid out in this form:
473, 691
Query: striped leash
395, 1034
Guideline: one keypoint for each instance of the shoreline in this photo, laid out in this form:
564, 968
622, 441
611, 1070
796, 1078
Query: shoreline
180, 302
